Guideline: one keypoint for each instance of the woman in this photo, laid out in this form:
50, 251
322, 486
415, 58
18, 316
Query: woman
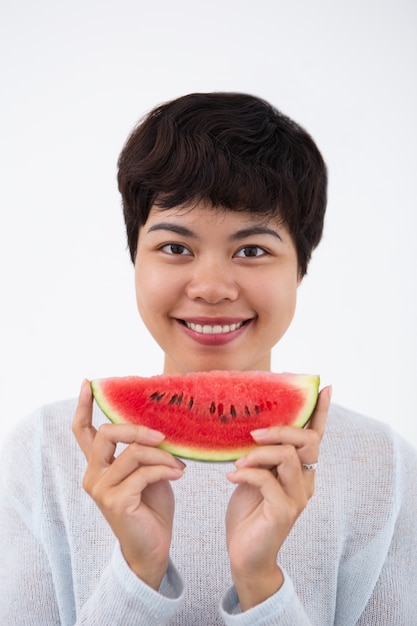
224, 201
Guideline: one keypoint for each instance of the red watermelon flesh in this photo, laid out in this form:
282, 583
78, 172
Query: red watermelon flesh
209, 415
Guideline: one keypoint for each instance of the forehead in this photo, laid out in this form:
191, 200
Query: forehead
202, 214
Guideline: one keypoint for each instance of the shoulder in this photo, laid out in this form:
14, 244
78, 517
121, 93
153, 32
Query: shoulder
350, 432
41, 444
48, 426
367, 459
50, 423
346, 421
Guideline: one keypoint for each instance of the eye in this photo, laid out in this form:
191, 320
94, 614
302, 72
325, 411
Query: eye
175, 249
250, 251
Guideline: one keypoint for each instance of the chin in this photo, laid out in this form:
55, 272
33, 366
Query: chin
207, 365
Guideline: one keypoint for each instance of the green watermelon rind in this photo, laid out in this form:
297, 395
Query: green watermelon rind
310, 383
211, 456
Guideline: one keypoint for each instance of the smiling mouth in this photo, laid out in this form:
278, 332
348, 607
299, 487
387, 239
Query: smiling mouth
215, 329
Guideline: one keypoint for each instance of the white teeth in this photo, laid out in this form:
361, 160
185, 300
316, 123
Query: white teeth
217, 329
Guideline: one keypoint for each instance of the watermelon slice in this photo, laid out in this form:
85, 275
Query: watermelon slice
209, 415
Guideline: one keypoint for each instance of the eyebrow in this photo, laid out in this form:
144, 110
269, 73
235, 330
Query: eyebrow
255, 230
174, 228
244, 233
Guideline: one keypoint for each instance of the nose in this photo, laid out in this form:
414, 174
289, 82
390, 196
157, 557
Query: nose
212, 281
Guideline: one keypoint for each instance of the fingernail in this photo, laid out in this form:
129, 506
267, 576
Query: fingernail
259, 433
155, 435
86, 385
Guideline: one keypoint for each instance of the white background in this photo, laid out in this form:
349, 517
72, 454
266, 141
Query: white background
75, 78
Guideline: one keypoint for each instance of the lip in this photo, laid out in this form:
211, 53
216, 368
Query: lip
215, 339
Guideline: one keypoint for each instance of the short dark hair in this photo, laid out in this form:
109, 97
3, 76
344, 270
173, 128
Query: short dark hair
233, 150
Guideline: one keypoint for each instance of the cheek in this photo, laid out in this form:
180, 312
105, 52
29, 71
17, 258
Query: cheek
146, 289
154, 290
280, 302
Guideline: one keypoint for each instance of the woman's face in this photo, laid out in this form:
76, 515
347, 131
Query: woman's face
216, 289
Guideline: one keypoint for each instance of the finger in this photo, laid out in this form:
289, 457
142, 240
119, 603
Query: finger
129, 433
306, 442
271, 456
292, 478
284, 435
127, 463
102, 453
109, 435
278, 457
262, 479
130, 489
297, 436
82, 425
289, 481
148, 475
319, 417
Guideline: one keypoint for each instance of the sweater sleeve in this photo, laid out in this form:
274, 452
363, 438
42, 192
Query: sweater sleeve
26, 579
27, 588
121, 598
394, 597
36, 590
282, 609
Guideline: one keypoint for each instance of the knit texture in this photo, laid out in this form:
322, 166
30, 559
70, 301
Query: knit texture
349, 560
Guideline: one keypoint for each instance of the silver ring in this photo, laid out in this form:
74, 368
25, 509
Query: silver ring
309, 467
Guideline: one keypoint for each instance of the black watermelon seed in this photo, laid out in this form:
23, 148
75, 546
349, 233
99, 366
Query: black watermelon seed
156, 396
247, 412
173, 399
179, 399
232, 411
190, 403
212, 408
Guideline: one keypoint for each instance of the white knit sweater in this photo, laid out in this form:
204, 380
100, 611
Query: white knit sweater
351, 558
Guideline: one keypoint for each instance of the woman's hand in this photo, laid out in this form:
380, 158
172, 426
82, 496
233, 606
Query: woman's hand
272, 490
132, 490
